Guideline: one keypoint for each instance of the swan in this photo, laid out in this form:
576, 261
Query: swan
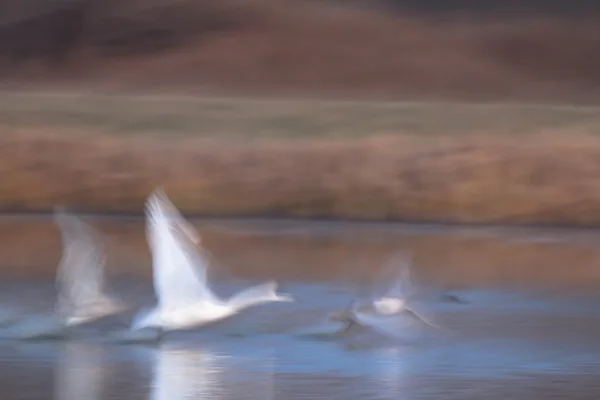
82, 296
180, 277
390, 312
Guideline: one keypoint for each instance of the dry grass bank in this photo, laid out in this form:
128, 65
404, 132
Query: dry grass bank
435, 162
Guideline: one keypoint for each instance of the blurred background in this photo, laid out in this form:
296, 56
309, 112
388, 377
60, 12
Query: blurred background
417, 49
313, 140
386, 110
452, 111
478, 101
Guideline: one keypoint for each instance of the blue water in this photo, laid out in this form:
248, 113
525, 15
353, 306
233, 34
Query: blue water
502, 344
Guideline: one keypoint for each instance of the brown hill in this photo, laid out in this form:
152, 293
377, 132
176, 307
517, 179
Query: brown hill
297, 47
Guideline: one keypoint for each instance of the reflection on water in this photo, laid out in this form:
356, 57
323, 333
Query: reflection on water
392, 371
80, 372
186, 372
453, 257
505, 344
181, 373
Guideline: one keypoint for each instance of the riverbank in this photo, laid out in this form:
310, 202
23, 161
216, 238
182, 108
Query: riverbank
443, 162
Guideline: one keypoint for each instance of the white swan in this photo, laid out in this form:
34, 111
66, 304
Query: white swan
180, 277
388, 311
80, 282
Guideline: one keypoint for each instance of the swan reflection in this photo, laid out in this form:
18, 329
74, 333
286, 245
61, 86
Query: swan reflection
80, 372
391, 372
195, 373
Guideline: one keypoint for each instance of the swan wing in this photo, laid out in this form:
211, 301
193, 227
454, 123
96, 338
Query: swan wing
80, 275
396, 279
179, 269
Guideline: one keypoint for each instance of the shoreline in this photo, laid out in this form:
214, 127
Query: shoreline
480, 181
332, 224
461, 259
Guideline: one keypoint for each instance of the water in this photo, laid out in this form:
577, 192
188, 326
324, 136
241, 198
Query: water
530, 327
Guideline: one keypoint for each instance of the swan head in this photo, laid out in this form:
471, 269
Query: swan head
270, 298
282, 297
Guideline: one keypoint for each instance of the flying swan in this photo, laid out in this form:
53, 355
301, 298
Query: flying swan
82, 296
180, 277
387, 311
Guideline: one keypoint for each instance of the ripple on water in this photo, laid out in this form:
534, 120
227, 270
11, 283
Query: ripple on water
506, 344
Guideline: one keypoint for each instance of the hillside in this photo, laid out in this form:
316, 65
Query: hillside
296, 47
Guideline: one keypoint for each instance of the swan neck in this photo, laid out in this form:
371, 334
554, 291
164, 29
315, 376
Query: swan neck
239, 304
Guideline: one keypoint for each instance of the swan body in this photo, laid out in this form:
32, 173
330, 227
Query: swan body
389, 305
180, 276
82, 297
202, 312
388, 313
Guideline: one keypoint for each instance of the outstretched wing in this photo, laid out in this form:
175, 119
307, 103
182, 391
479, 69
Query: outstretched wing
396, 278
179, 269
80, 275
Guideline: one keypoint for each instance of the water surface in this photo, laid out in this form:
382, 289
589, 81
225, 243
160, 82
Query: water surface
530, 327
